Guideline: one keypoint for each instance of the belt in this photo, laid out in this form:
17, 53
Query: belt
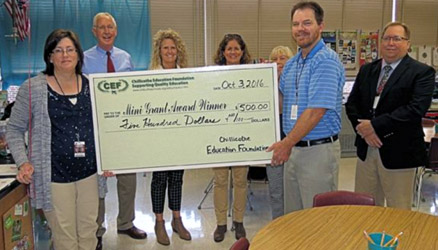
317, 141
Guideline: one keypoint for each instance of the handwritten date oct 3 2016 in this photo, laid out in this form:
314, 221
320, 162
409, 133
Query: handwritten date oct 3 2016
241, 84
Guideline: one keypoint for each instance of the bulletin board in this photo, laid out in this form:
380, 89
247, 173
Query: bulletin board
17, 226
369, 47
329, 38
347, 49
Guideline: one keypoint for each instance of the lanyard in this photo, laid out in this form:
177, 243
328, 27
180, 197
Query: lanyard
298, 76
59, 85
74, 110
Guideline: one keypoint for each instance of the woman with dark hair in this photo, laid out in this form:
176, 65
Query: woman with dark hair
232, 51
242, 57
60, 163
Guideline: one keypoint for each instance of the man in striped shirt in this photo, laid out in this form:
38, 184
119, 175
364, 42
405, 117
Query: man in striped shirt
311, 85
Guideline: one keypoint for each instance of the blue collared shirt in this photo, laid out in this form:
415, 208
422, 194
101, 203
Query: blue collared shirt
95, 60
314, 82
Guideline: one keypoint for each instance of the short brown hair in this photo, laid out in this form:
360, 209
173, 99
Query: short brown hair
317, 9
405, 27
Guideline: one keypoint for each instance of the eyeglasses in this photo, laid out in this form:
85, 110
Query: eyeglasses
70, 51
103, 27
395, 39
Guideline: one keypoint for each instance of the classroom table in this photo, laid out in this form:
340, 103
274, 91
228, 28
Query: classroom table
341, 227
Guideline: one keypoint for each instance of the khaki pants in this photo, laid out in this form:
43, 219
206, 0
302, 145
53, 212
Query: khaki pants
310, 171
73, 217
240, 186
126, 187
394, 185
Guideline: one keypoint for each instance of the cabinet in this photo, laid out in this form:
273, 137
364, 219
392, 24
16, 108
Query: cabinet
347, 136
16, 223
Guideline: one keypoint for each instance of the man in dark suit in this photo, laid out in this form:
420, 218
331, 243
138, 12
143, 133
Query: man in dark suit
388, 100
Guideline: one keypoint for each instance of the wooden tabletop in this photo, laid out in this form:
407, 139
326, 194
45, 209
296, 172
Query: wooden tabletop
341, 227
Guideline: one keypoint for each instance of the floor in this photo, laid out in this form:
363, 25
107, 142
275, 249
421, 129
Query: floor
201, 222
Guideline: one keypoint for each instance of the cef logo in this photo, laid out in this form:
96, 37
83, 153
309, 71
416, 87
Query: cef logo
112, 87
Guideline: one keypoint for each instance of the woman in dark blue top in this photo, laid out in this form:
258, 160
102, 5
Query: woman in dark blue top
61, 163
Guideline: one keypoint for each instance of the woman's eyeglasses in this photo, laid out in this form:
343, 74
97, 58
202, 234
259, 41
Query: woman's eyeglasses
69, 51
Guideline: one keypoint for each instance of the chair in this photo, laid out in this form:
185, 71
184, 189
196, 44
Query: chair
210, 186
428, 128
426, 122
342, 198
207, 190
431, 168
241, 244
429, 133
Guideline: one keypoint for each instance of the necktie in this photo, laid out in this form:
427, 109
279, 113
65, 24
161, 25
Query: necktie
109, 63
386, 70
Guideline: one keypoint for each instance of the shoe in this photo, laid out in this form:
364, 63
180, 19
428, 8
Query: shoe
219, 233
239, 230
161, 233
179, 228
134, 233
99, 243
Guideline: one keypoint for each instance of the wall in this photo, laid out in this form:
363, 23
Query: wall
265, 24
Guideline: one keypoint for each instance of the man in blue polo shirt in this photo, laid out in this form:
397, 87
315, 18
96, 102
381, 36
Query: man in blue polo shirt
106, 58
311, 85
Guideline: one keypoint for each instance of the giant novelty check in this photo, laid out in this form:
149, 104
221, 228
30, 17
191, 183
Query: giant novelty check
185, 118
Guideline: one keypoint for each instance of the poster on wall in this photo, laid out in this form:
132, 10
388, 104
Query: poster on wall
369, 44
425, 54
329, 38
413, 52
347, 49
435, 57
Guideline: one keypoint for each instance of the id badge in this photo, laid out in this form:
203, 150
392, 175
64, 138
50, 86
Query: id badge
79, 148
376, 101
294, 112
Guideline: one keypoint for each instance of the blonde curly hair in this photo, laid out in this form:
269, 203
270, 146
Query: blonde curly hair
181, 58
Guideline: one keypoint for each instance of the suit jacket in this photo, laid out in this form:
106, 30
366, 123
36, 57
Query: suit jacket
397, 118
